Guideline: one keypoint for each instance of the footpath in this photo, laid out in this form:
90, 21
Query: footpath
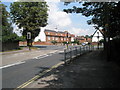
88, 71
25, 49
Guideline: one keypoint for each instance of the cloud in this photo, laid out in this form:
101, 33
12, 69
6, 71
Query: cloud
53, 1
80, 31
7, 0
57, 17
61, 20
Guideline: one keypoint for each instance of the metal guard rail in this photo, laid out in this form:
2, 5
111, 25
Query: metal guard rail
71, 53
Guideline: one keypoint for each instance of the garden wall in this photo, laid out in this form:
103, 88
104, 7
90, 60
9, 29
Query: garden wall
10, 46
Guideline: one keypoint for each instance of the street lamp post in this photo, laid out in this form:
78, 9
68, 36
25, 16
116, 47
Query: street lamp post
98, 39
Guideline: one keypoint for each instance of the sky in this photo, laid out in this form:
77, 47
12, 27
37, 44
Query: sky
73, 23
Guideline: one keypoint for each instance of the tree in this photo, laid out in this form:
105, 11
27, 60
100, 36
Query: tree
87, 36
6, 32
30, 16
104, 14
76, 42
54, 42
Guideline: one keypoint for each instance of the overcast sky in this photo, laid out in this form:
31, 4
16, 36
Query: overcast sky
74, 23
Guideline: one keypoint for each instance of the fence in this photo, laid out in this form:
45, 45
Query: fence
71, 53
9, 46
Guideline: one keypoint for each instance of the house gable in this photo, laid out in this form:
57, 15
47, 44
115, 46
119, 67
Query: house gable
95, 36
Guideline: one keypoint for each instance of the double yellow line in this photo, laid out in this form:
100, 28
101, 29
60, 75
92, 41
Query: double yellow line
37, 76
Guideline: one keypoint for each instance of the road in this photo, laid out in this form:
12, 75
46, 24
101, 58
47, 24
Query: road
19, 56
15, 75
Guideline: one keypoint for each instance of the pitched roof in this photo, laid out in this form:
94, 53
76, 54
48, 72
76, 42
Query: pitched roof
47, 30
101, 31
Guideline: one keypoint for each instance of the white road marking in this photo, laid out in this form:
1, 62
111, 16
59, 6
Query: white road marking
42, 56
38, 57
60, 51
12, 64
45, 55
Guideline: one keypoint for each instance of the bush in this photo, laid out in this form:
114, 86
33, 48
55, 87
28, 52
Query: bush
76, 42
54, 42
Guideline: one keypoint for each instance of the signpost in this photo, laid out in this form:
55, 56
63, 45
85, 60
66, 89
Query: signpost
67, 39
98, 39
28, 39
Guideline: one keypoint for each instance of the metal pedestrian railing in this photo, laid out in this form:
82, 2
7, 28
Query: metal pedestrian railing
71, 53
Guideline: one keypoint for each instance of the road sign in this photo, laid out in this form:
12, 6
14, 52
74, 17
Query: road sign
28, 35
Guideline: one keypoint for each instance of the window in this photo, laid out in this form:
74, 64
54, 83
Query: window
53, 38
56, 38
48, 38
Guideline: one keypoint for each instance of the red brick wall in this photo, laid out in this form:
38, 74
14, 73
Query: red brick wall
22, 43
94, 43
42, 43
35, 43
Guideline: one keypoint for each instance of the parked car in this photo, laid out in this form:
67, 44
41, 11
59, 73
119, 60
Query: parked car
83, 44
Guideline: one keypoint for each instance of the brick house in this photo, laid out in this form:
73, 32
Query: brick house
58, 36
82, 39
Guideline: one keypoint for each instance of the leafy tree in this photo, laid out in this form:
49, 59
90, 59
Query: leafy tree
101, 41
6, 31
76, 42
87, 36
54, 42
104, 14
30, 16
22, 38
39, 40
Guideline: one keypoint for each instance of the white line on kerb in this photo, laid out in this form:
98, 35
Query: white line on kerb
12, 64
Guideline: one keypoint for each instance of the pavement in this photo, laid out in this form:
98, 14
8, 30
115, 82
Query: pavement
90, 70
25, 49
